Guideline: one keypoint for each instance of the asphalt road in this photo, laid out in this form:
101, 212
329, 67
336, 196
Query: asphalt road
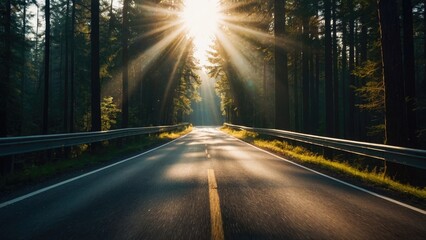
203, 186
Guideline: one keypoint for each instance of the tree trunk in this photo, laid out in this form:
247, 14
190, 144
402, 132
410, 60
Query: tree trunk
95, 79
395, 128
24, 66
316, 99
356, 83
409, 72
424, 45
296, 90
72, 68
111, 17
316, 79
351, 98
335, 74
313, 119
45, 127
282, 112
305, 75
265, 93
329, 116
125, 68
363, 115
66, 73
36, 33
344, 86
6, 64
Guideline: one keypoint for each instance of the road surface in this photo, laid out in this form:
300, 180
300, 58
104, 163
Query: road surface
206, 185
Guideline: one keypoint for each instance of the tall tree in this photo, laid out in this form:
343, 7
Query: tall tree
351, 96
363, 47
125, 68
335, 71
72, 68
344, 86
24, 65
409, 71
329, 114
424, 43
45, 127
305, 70
67, 68
282, 99
95, 78
395, 129
6, 64
316, 79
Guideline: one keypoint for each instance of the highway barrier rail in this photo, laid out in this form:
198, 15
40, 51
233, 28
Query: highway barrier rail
19, 145
405, 156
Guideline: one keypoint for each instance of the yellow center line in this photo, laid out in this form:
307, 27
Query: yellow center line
215, 214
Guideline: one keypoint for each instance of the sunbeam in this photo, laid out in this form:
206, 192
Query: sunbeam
201, 18
202, 26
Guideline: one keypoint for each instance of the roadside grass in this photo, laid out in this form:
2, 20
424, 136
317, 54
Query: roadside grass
175, 134
82, 159
375, 177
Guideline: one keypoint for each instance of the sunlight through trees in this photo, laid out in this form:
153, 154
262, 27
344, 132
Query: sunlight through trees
299, 65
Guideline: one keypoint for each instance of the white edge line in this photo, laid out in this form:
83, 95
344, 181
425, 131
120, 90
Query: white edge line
339, 181
18, 199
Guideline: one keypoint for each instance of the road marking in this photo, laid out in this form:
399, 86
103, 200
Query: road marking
18, 199
340, 181
215, 214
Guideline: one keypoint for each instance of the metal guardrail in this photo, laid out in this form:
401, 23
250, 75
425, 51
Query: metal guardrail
405, 156
19, 145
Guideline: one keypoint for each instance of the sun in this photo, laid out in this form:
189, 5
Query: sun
201, 17
201, 20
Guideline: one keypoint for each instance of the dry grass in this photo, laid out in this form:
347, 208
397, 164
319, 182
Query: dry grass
304, 155
175, 134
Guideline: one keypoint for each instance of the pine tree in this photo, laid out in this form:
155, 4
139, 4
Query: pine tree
395, 128
282, 99
5, 67
329, 115
45, 127
95, 79
409, 71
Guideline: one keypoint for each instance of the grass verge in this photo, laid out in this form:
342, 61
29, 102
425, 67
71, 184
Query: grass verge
34, 173
300, 154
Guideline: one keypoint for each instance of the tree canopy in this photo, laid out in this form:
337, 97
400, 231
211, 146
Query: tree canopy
351, 69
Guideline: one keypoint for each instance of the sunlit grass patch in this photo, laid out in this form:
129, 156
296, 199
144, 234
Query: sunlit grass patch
304, 155
241, 134
175, 134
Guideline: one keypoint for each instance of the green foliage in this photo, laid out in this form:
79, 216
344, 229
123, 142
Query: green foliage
163, 77
187, 88
109, 113
216, 70
372, 94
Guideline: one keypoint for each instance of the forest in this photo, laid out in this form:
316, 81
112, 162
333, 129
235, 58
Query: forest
352, 69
